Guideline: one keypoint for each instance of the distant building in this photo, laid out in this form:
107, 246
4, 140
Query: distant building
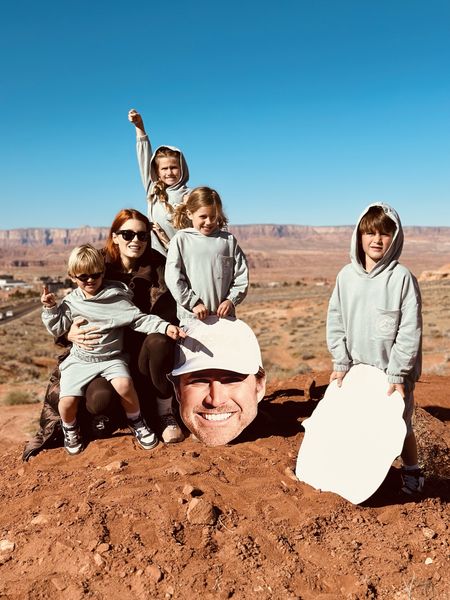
7, 282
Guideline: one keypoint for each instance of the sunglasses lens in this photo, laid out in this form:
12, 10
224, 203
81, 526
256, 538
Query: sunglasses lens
129, 235
85, 277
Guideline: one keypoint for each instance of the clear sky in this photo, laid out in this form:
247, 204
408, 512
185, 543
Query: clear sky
299, 111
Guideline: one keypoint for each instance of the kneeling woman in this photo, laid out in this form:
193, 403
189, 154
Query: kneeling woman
130, 259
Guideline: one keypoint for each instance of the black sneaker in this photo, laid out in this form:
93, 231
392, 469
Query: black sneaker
412, 481
145, 437
73, 442
101, 426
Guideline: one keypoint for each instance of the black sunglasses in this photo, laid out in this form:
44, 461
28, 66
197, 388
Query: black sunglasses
129, 235
85, 276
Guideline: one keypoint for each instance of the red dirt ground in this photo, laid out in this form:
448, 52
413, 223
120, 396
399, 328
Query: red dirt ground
188, 521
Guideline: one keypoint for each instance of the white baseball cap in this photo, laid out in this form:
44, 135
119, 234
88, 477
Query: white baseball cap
214, 343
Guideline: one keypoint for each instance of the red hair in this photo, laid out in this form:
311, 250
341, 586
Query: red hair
112, 249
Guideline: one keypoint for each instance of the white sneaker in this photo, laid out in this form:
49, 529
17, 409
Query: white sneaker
145, 437
171, 432
73, 442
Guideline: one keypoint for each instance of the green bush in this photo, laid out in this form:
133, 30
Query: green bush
17, 397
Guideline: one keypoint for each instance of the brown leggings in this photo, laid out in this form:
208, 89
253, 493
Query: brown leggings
154, 361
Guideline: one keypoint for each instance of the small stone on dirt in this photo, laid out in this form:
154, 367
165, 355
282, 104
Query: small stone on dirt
428, 533
188, 489
98, 559
428, 560
7, 546
105, 547
201, 512
59, 584
39, 520
116, 465
154, 573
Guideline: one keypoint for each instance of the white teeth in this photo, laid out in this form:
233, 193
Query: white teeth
216, 416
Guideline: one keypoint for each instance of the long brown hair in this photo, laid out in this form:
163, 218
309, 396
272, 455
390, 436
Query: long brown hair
111, 249
199, 197
159, 187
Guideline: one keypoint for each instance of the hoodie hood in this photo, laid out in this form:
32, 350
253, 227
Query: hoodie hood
184, 178
391, 257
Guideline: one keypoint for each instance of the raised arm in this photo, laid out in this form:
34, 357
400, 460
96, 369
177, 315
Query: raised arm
143, 148
57, 319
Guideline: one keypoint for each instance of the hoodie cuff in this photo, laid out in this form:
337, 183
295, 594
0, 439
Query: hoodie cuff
341, 368
396, 379
194, 301
50, 309
162, 327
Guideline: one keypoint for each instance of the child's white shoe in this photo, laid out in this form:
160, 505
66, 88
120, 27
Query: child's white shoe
145, 437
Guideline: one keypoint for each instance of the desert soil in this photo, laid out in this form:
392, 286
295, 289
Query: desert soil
233, 522
186, 521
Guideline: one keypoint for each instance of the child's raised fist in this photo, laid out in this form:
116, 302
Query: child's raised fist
48, 299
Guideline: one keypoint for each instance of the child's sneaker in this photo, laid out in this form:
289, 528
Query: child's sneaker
413, 481
171, 432
145, 437
73, 442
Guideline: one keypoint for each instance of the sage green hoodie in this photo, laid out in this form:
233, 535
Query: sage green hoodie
375, 318
205, 268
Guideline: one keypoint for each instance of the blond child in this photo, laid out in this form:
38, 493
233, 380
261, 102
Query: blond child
108, 307
206, 270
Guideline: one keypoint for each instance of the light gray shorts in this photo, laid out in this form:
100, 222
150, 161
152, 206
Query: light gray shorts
77, 374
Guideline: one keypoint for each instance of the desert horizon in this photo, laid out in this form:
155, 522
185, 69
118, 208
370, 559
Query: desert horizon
136, 525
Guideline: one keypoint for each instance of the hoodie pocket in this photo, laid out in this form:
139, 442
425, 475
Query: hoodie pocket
225, 265
386, 324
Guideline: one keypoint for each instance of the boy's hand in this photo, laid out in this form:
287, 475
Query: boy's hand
135, 118
175, 332
338, 376
201, 311
225, 308
396, 387
48, 300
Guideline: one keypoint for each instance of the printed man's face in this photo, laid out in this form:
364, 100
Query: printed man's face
217, 405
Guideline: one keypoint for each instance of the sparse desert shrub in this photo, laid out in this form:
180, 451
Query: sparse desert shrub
17, 397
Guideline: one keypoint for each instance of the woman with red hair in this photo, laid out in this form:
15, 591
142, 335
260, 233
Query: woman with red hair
130, 259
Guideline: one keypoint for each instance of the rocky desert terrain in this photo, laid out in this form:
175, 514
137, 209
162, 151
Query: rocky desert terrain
233, 522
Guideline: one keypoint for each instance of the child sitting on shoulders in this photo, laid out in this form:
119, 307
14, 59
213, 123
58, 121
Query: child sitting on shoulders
206, 270
107, 306
374, 318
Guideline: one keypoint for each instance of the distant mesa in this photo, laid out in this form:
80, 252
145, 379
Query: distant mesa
45, 237
437, 275
48, 236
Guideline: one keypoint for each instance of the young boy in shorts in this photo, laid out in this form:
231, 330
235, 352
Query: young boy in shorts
374, 318
108, 306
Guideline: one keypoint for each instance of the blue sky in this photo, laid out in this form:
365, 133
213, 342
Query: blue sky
295, 111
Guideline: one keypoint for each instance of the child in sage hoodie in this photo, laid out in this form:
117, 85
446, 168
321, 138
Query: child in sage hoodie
374, 318
164, 175
107, 306
206, 270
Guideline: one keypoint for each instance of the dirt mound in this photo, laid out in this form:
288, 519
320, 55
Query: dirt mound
233, 522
